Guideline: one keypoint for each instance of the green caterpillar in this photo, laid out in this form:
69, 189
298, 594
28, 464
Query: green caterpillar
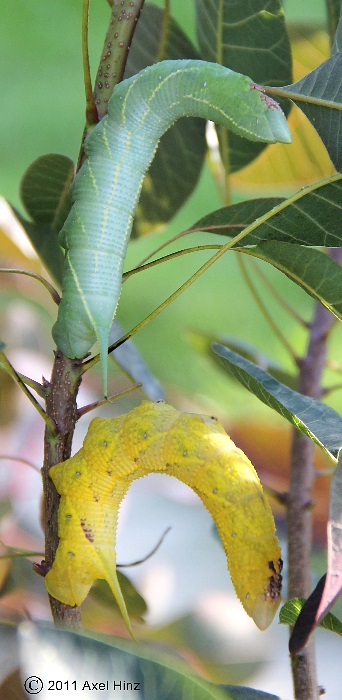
155, 437
106, 189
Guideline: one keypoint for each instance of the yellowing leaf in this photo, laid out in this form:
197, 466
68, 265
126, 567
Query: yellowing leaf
195, 449
13, 240
305, 160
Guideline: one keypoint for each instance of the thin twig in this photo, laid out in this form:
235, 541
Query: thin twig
110, 399
13, 458
264, 311
167, 258
6, 365
207, 229
223, 249
18, 552
149, 555
279, 298
164, 32
52, 291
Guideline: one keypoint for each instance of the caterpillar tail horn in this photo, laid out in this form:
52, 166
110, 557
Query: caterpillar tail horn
113, 582
102, 337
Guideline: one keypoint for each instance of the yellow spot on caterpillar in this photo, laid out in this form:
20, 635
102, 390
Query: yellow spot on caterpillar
105, 140
92, 177
196, 450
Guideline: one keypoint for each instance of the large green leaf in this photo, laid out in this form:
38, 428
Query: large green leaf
84, 661
154, 676
314, 271
319, 96
311, 217
250, 38
176, 167
316, 420
44, 191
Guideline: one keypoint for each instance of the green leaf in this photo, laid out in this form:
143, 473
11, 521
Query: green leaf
319, 96
135, 603
290, 611
310, 217
176, 167
318, 274
44, 189
155, 676
312, 417
250, 38
243, 693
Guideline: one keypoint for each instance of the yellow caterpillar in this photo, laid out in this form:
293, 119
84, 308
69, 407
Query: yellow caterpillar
156, 437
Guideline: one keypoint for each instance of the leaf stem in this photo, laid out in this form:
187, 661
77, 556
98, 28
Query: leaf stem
281, 301
264, 311
149, 555
96, 404
299, 97
329, 389
273, 212
178, 236
13, 458
170, 256
17, 553
223, 249
164, 32
91, 113
52, 291
6, 365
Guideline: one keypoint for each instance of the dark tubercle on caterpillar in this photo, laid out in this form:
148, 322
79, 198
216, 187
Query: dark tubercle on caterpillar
274, 587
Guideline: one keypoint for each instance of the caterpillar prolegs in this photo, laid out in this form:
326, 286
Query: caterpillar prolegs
195, 449
106, 190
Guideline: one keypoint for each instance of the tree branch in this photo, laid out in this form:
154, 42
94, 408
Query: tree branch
61, 408
299, 511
